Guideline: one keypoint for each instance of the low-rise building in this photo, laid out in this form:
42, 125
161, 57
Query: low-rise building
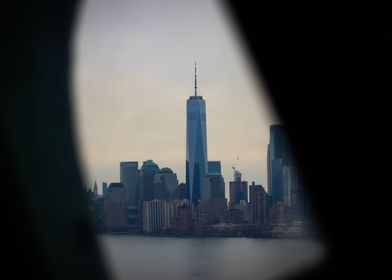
156, 216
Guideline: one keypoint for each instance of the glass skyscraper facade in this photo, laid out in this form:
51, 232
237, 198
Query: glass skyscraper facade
196, 145
129, 177
214, 167
280, 161
276, 160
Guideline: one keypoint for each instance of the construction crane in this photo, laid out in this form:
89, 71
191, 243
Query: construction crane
233, 166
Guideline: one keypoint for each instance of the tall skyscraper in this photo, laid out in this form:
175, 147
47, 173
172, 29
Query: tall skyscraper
129, 177
297, 199
277, 157
196, 145
238, 189
146, 180
290, 182
284, 182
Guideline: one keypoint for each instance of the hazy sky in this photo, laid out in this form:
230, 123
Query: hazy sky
133, 72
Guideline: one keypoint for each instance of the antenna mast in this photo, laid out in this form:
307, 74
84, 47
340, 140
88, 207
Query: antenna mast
195, 81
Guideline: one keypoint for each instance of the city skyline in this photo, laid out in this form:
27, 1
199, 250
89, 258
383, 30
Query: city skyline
133, 72
151, 200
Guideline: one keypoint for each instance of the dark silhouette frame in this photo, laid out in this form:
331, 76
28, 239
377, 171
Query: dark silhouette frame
46, 227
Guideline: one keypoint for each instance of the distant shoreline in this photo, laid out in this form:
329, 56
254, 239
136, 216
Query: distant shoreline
305, 237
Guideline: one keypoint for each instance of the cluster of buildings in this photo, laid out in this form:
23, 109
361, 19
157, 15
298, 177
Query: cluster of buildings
150, 199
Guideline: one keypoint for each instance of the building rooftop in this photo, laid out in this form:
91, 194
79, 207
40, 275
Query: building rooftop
149, 162
131, 163
116, 185
165, 170
196, 97
213, 174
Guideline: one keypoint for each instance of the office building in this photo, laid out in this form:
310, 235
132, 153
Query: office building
238, 189
146, 180
115, 207
196, 145
213, 187
258, 199
279, 213
156, 216
182, 222
129, 177
207, 211
165, 184
290, 182
214, 167
232, 216
277, 157
246, 209
104, 188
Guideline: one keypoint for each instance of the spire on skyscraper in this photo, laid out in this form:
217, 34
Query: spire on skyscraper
195, 80
196, 148
95, 188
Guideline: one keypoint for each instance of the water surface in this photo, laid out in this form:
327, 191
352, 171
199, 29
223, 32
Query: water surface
143, 257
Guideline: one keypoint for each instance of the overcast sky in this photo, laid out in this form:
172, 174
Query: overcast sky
133, 72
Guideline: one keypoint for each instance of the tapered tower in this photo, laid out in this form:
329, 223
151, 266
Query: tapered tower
196, 144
